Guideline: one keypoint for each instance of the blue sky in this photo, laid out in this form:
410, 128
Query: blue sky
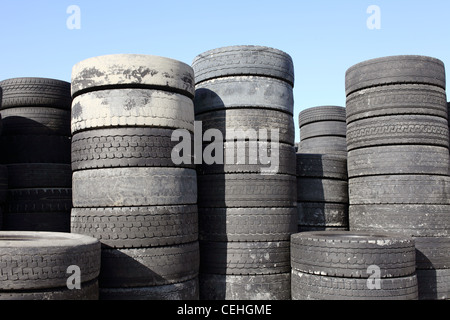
324, 37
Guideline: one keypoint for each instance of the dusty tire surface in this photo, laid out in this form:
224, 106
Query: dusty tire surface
322, 214
320, 114
321, 166
322, 190
39, 175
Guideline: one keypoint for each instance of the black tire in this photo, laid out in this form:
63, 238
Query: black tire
21, 92
282, 157
322, 215
35, 149
132, 107
324, 145
124, 147
420, 220
350, 254
391, 70
434, 284
246, 224
432, 252
398, 130
134, 187
132, 70
3, 184
320, 114
243, 61
49, 254
39, 175
316, 287
246, 191
37, 221
244, 92
36, 121
398, 159
323, 129
273, 287
137, 227
322, 190
404, 99
321, 166
183, 291
400, 189
251, 120
244, 258
39, 200
146, 267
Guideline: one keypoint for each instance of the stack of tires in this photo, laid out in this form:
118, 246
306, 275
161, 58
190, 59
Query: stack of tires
344, 265
3, 179
322, 179
246, 204
36, 151
398, 161
127, 191
48, 266
323, 130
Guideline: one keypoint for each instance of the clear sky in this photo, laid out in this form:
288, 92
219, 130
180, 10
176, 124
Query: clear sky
324, 37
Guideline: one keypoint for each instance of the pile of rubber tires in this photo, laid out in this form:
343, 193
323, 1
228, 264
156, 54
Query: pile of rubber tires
35, 147
48, 266
398, 161
127, 191
246, 215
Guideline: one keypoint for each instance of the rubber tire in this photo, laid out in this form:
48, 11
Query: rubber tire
132, 107
331, 145
49, 254
320, 114
244, 60
434, 284
244, 92
132, 70
432, 252
3, 184
321, 166
244, 258
403, 69
273, 287
39, 175
323, 129
350, 254
322, 190
37, 221
322, 215
134, 187
403, 99
137, 227
21, 92
39, 200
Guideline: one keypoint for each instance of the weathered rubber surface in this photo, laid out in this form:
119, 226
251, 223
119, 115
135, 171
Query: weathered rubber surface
254, 121
131, 70
39, 200
246, 191
321, 166
132, 107
322, 113
124, 147
246, 224
3, 183
128, 187
405, 69
323, 129
48, 254
39, 175
35, 149
350, 254
398, 159
245, 258
398, 130
322, 214
251, 287
183, 291
244, 60
146, 267
244, 92
434, 284
137, 227
89, 291
322, 190
252, 157
316, 287
307, 228
403, 99
36, 121
37, 221
21, 92
324, 145
432, 252
400, 189
419, 220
